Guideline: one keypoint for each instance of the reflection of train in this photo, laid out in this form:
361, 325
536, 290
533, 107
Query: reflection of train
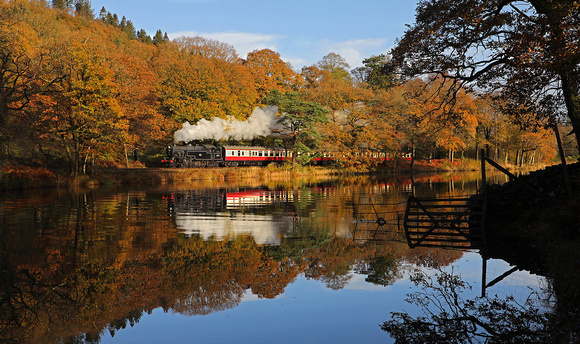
218, 214
214, 156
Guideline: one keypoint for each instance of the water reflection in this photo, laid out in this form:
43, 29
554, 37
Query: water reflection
78, 268
448, 317
218, 214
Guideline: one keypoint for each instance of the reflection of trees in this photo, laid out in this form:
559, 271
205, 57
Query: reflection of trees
338, 278
332, 262
380, 270
96, 263
448, 318
201, 302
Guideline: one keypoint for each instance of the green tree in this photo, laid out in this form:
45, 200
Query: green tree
300, 118
376, 74
62, 4
143, 37
527, 49
102, 14
158, 38
129, 29
84, 8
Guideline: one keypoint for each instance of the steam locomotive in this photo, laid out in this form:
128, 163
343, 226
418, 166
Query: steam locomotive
206, 155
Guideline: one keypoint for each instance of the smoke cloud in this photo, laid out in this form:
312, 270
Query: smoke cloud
261, 122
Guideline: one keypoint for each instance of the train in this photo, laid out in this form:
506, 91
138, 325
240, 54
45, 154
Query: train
206, 155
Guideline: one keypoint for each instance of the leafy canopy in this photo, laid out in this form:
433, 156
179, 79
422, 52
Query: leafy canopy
527, 50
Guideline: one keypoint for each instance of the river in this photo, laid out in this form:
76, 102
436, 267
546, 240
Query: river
294, 262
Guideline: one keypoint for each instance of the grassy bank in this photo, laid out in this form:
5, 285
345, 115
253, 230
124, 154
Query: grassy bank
20, 177
23, 177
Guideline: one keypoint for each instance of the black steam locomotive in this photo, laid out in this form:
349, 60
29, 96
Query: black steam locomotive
215, 156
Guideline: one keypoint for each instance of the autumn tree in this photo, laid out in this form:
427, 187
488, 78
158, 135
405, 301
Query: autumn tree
527, 49
336, 65
193, 86
207, 48
136, 81
84, 117
25, 71
270, 72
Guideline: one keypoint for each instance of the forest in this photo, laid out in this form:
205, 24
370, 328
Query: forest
81, 90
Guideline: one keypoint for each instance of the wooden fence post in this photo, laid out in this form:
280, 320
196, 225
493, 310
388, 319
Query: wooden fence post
483, 176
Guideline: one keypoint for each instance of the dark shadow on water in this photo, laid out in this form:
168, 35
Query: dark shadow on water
447, 316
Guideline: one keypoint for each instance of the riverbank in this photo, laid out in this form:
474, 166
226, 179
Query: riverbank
23, 177
20, 178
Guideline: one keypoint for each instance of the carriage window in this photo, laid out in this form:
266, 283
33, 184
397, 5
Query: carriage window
260, 154
238, 153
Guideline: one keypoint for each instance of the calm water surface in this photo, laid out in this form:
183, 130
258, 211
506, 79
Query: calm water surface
300, 262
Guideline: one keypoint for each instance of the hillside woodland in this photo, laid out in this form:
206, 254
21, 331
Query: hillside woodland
80, 91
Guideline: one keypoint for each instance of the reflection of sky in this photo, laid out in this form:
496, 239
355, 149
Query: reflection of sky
265, 229
307, 312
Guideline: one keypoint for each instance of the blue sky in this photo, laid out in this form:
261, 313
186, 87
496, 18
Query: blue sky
302, 31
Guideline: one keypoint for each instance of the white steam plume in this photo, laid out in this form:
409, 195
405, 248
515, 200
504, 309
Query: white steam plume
260, 123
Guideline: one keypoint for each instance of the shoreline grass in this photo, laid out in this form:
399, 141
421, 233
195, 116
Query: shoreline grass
24, 177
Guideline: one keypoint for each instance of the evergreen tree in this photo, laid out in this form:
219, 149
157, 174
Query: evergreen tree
143, 37
115, 20
158, 38
103, 14
108, 18
130, 30
62, 4
84, 8
123, 23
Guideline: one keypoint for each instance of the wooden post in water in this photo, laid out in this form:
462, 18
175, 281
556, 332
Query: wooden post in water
483, 177
563, 159
483, 274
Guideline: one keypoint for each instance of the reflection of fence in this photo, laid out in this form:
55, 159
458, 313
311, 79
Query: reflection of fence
377, 222
445, 222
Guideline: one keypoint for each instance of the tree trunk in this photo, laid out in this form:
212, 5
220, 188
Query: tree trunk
412, 154
570, 89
